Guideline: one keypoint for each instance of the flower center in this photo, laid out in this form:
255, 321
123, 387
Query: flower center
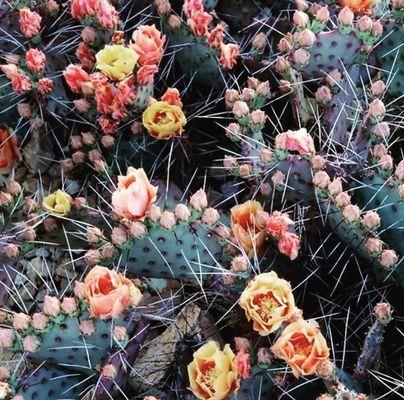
209, 372
301, 344
266, 303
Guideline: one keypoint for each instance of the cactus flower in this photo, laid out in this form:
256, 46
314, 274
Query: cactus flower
148, 44
9, 151
30, 22
57, 203
358, 6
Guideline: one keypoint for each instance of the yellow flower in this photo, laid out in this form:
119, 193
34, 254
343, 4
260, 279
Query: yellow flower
116, 61
268, 301
58, 203
163, 120
213, 373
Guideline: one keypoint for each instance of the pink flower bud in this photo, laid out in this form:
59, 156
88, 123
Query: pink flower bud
257, 117
92, 257
377, 88
94, 155
137, 229
323, 95
317, 162
199, 200
120, 333
31, 343
182, 212
248, 94
343, 199
278, 178
253, 82
136, 128
167, 220
386, 162
7, 338
51, 306
351, 213
333, 78
379, 150
321, 179
107, 251
400, 191
210, 216
300, 19
163, 7
76, 142
335, 187
94, 234
377, 28
383, 312
239, 264
323, 15
4, 373
306, 38
400, 171
260, 41
346, 16
282, 65
325, 369
88, 35
229, 162
79, 203
109, 371
80, 290
245, 170
240, 109
5, 199
78, 157
301, 56
39, 321
24, 110
242, 345
302, 5
154, 213
231, 96
285, 46
82, 105
364, 24
388, 258
376, 109
118, 236
264, 356
381, 130
266, 155
371, 220
21, 321
374, 245
233, 130
174, 22
107, 141
29, 234
69, 305
11, 251
13, 187
87, 327
223, 232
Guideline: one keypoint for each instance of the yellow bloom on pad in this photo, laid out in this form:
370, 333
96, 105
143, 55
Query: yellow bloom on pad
116, 61
58, 203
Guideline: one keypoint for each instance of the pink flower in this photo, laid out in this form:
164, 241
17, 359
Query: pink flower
299, 141
259, 41
44, 86
7, 338
107, 15
69, 305
172, 96
300, 19
75, 77
81, 9
321, 179
145, 74
108, 126
39, 321
243, 345
198, 22
109, 293
148, 44
20, 83
289, 244
216, 36
278, 224
86, 56
30, 22
374, 245
243, 365
35, 60
376, 108
342, 199
228, 55
192, 6
323, 95
51, 306
134, 194
9, 70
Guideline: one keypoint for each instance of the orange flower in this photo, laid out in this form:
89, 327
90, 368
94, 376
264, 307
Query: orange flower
9, 151
145, 74
86, 56
134, 194
75, 77
302, 346
268, 301
213, 374
198, 22
228, 55
35, 60
278, 223
148, 44
358, 6
20, 83
289, 244
83, 8
246, 231
30, 22
109, 293
172, 96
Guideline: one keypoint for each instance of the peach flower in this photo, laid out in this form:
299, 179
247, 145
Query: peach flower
145, 74
289, 244
358, 6
244, 226
75, 77
243, 365
191, 7
83, 8
9, 150
134, 194
35, 60
213, 373
198, 22
277, 224
172, 96
148, 44
107, 15
299, 141
228, 55
302, 346
268, 301
30, 22
20, 83
109, 293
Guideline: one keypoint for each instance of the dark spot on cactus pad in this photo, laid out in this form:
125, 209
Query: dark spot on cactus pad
394, 208
161, 239
133, 259
331, 57
58, 339
178, 255
146, 249
180, 242
104, 335
333, 44
183, 268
